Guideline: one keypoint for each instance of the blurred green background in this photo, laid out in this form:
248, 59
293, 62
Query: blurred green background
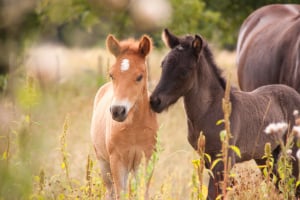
87, 22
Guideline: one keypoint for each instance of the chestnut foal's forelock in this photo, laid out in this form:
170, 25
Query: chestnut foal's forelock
129, 78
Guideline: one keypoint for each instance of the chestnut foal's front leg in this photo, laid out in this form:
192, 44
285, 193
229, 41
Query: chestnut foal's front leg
119, 175
107, 179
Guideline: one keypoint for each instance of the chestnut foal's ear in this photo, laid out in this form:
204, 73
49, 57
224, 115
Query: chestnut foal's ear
112, 44
169, 39
145, 45
198, 44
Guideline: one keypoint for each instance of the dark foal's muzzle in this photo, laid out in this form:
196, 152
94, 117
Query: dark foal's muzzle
156, 104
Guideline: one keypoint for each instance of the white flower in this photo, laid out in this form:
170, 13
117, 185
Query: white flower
278, 128
289, 152
296, 130
298, 154
296, 113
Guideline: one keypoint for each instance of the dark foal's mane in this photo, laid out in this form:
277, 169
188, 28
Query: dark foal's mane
211, 62
208, 56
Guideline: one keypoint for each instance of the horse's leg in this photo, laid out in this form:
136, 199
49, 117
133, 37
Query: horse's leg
214, 183
261, 162
106, 177
119, 175
212, 191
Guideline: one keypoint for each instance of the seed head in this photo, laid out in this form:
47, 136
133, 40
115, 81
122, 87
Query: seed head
268, 150
298, 154
296, 131
276, 128
201, 143
296, 113
289, 152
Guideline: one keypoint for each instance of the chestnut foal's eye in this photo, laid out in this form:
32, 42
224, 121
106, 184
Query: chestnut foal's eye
139, 78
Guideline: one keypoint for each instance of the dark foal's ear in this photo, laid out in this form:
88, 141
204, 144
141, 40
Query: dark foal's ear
169, 39
112, 44
145, 45
198, 44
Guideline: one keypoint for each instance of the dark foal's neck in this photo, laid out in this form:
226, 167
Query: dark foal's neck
209, 85
208, 58
203, 103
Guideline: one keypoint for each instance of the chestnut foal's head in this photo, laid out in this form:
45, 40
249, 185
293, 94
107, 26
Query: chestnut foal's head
128, 74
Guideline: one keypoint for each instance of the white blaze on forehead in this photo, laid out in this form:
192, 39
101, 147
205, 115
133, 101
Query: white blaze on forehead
125, 65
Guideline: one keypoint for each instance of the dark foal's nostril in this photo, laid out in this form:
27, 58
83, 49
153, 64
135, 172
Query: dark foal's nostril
155, 101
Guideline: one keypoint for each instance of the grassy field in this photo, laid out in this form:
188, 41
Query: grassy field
45, 146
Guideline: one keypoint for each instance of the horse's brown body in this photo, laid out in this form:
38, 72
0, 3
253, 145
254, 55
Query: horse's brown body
189, 71
268, 49
122, 137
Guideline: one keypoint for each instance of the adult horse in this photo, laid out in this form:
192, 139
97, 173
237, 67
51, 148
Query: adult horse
123, 126
189, 71
268, 49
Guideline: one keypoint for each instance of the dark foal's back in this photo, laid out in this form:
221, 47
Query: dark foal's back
268, 50
189, 71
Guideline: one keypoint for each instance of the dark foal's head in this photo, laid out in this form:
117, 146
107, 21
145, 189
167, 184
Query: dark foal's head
178, 70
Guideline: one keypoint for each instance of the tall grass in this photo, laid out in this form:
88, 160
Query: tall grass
46, 153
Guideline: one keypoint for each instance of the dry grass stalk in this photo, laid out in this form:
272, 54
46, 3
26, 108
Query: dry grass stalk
63, 149
226, 105
89, 167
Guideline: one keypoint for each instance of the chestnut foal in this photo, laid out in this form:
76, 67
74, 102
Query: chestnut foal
123, 126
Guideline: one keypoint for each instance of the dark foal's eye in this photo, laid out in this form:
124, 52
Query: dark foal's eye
139, 78
183, 74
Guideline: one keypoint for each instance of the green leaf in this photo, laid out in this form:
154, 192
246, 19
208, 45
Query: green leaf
27, 119
210, 173
297, 184
215, 162
265, 172
262, 166
223, 134
196, 163
4, 155
232, 175
236, 150
204, 192
61, 196
208, 157
221, 121
219, 197
37, 179
219, 155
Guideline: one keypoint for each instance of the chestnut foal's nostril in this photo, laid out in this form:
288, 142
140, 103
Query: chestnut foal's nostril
114, 112
122, 111
118, 112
